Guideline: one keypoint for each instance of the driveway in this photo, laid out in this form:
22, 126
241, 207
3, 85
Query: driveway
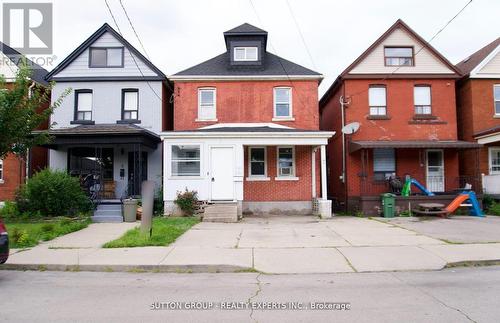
457, 229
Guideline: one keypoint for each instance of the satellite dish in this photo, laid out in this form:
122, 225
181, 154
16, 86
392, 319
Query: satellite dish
350, 128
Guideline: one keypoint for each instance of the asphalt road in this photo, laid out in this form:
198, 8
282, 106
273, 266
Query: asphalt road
452, 295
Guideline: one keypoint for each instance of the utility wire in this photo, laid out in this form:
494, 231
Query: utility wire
423, 46
300, 33
131, 54
133, 29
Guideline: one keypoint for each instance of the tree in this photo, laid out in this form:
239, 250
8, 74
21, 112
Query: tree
21, 113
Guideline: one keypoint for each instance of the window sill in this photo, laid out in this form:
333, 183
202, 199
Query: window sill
496, 116
424, 117
286, 178
205, 120
2, 181
257, 179
283, 119
88, 122
129, 121
426, 121
378, 117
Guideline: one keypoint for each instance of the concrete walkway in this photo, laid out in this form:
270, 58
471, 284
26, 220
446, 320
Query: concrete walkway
290, 244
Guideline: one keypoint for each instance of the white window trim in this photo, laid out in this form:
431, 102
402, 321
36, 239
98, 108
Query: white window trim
377, 107
291, 177
283, 118
199, 103
490, 160
497, 115
2, 173
251, 177
178, 177
246, 50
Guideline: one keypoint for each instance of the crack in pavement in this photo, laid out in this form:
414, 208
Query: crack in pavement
435, 298
257, 292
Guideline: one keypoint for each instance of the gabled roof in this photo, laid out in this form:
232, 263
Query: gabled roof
87, 43
468, 64
38, 72
272, 66
246, 28
398, 24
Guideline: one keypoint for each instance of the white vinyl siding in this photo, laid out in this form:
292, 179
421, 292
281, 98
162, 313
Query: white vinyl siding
83, 106
496, 98
207, 98
257, 162
283, 102
377, 100
130, 104
384, 163
246, 54
286, 161
425, 61
422, 99
186, 160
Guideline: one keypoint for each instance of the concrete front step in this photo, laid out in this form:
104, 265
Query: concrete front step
221, 213
107, 219
108, 213
110, 207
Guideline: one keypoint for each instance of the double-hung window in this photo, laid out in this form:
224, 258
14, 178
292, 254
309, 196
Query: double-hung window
130, 102
496, 95
286, 162
185, 160
283, 102
494, 153
257, 162
422, 99
207, 104
377, 100
106, 57
83, 105
245, 54
384, 163
1, 170
398, 56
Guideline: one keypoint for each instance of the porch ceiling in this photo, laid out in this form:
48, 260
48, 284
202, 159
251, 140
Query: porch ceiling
428, 144
103, 134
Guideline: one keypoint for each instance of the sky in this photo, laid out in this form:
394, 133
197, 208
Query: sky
182, 33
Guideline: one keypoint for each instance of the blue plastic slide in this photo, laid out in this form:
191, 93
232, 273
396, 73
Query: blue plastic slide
474, 209
421, 187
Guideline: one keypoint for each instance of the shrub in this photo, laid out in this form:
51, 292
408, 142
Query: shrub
494, 209
9, 211
187, 201
19, 236
488, 201
52, 193
47, 227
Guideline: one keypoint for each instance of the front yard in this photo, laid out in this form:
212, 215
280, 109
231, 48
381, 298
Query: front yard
29, 234
165, 231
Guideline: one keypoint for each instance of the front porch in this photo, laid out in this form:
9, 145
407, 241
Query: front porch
490, 160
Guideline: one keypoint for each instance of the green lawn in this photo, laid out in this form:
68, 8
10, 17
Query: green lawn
165, 231
23, 235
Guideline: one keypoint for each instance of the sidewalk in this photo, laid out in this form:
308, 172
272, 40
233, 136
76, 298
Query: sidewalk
274, 245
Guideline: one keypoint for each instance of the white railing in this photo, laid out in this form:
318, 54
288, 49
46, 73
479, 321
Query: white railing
491, 184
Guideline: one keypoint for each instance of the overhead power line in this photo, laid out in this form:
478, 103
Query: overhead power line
300, 33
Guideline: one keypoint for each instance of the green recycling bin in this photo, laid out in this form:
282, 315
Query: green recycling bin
388, 204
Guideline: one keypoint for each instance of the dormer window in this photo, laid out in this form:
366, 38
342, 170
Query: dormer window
398, 56
245, 54
106, 57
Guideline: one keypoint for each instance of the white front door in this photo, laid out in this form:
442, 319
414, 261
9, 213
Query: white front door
435, 171
221, 173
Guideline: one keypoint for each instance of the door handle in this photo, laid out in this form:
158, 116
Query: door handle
213, 179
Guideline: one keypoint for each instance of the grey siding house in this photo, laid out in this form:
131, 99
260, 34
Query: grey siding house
106, 132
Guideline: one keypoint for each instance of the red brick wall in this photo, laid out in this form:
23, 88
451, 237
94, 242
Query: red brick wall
273, 190
246, 101
13, 176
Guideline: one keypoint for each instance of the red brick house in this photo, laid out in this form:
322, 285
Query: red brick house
246, 131
12, 168
401, 91
478, 106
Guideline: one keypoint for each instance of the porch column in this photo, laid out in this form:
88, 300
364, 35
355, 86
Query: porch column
324, 205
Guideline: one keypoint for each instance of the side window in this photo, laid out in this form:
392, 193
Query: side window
384, 163
130, 103
377, 100
207, 104
83, 105
185, 160
496, 95
422, 99
283, 102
